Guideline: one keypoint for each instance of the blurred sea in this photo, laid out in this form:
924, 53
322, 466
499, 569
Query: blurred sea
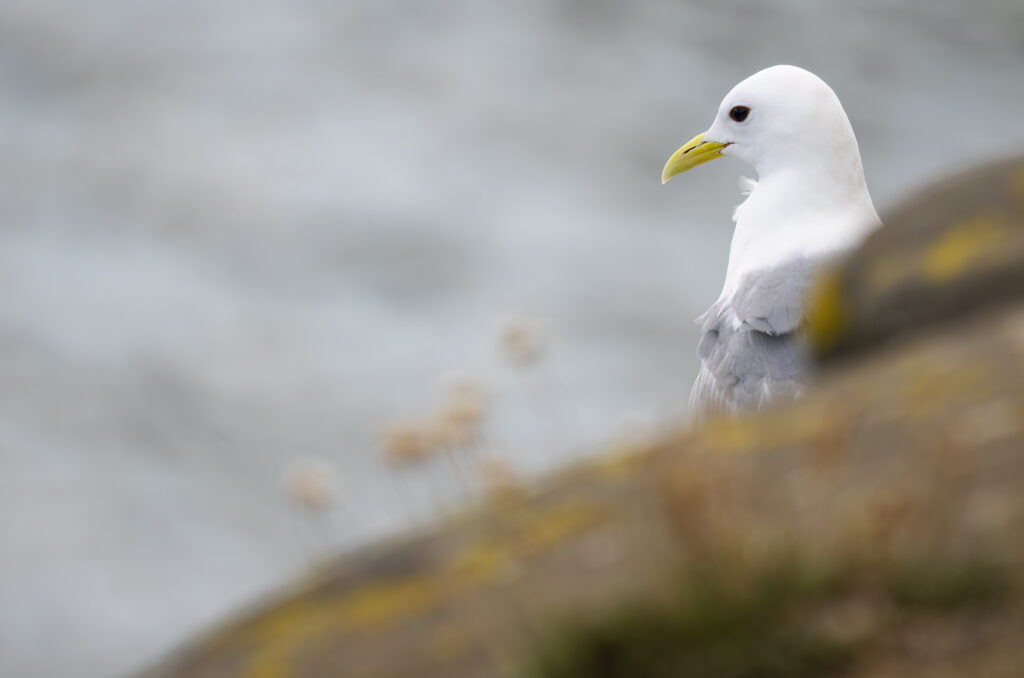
233, 235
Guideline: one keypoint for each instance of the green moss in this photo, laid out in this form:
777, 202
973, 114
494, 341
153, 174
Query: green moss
713, 630
973, 584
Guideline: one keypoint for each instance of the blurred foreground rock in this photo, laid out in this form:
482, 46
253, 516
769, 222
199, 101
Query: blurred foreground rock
910, 454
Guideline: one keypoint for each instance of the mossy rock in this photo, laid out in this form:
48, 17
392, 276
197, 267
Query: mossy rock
954, 249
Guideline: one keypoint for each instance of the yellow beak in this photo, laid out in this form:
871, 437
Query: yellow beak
695, 152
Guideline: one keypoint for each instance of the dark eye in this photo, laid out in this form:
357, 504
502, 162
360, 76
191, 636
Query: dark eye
739, 113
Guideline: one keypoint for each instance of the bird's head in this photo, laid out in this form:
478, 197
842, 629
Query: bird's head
783, 116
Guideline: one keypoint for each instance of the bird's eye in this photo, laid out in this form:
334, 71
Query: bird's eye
739, 113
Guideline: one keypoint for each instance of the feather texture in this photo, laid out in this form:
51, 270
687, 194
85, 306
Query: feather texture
750, 346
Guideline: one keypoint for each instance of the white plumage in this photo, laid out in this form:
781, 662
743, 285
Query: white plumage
810, 203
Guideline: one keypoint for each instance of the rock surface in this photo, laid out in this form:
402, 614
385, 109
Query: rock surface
955, 249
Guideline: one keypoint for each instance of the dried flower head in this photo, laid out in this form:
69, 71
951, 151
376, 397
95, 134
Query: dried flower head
407, 442
312, 483
500, 477
463, 386
453, 432
521, 340
462, 409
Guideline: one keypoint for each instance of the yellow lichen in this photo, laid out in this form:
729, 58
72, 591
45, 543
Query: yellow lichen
535, 532
544, 529
622, 462
284, 621
268, 663
481, 562
827, 313
963, 247
282, 630
385, 603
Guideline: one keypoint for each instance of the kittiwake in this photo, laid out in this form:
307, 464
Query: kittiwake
809, 204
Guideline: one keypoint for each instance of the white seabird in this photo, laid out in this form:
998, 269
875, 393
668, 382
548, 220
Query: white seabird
809, 204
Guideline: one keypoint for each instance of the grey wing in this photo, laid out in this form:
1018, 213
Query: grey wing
750, 349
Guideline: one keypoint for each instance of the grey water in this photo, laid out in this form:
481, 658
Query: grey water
235, 235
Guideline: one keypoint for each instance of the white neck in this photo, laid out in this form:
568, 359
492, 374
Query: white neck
792, 214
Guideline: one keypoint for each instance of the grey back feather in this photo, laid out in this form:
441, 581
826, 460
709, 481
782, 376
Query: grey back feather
750, 348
